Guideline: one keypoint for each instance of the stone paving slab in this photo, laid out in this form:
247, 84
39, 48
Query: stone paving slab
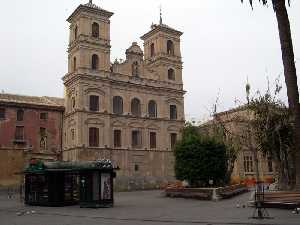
149, 208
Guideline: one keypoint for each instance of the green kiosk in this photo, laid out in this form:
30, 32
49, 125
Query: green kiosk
87, 183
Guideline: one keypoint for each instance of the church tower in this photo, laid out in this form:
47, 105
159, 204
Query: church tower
88, 61
162, 52
89, 42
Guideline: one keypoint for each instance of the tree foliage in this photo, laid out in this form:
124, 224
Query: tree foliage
199, 159
265, 2
290, 74
273, 131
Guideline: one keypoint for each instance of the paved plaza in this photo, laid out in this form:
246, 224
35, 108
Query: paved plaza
147, 208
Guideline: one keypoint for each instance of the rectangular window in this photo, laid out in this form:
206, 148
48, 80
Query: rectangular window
20, 115
173, 138
136, 139
43, 116
2, 114
93, 137
136, 167
117, 138
152, 140
173, 112
19, 135
94, 103
248, 164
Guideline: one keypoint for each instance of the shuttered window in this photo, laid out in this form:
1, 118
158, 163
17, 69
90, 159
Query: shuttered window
152, 140
19, 134
117, 105
20, 115
136, 107
93, 137
173, 138
117, 138
136, 139
173, 112
94, 103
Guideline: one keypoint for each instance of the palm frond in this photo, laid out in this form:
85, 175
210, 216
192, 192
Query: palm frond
265, 2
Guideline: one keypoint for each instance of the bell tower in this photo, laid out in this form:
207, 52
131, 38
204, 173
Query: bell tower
88, 62
162, 52
89, 42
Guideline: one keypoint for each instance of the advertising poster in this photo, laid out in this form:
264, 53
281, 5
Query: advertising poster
105, 186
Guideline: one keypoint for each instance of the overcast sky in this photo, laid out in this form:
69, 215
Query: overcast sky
224, 42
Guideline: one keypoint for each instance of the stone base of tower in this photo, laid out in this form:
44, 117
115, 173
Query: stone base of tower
139, 169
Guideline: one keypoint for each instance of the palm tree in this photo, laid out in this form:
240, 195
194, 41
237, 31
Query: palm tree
290, 74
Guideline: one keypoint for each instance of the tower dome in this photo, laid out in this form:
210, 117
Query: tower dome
134, 51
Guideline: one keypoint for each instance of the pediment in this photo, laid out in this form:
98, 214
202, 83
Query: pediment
94, 90
135, 125
173, 100
173, 128
118, 123
153, 126
95, 121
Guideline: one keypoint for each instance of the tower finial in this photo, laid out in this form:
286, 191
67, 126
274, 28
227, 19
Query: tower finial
160, 15
91, 1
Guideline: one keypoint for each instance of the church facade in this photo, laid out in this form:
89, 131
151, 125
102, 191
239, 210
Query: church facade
131, 111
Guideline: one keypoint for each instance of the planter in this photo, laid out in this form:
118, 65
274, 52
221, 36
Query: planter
207, 193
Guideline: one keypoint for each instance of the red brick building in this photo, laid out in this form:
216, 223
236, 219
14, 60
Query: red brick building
30, 127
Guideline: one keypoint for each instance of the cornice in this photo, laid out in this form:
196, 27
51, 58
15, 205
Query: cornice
84, 8
32, 106
128, 117
71, 78
159, 28
84, 148
84, 41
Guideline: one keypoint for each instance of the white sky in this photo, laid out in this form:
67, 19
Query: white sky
224, 42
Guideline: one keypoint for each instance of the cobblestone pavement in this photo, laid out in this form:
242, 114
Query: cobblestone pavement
147, 208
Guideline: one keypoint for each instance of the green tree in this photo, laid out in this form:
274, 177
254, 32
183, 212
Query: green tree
200, 159
290, 74
273, 132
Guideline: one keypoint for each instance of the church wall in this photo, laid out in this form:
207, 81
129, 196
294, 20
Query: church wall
140, 166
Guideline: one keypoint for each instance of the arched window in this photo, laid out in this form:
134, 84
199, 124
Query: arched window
152, 109
152, 50
74, 64
173, 112
75, 32
170, 47
171, 74
117, 105
136, 107
95, 62
135, 69
95, 30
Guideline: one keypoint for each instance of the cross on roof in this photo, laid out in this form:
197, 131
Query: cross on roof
160, 15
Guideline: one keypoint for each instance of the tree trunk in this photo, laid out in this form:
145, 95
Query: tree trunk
289, 73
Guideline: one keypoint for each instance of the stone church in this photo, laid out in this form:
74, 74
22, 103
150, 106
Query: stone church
128, 111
